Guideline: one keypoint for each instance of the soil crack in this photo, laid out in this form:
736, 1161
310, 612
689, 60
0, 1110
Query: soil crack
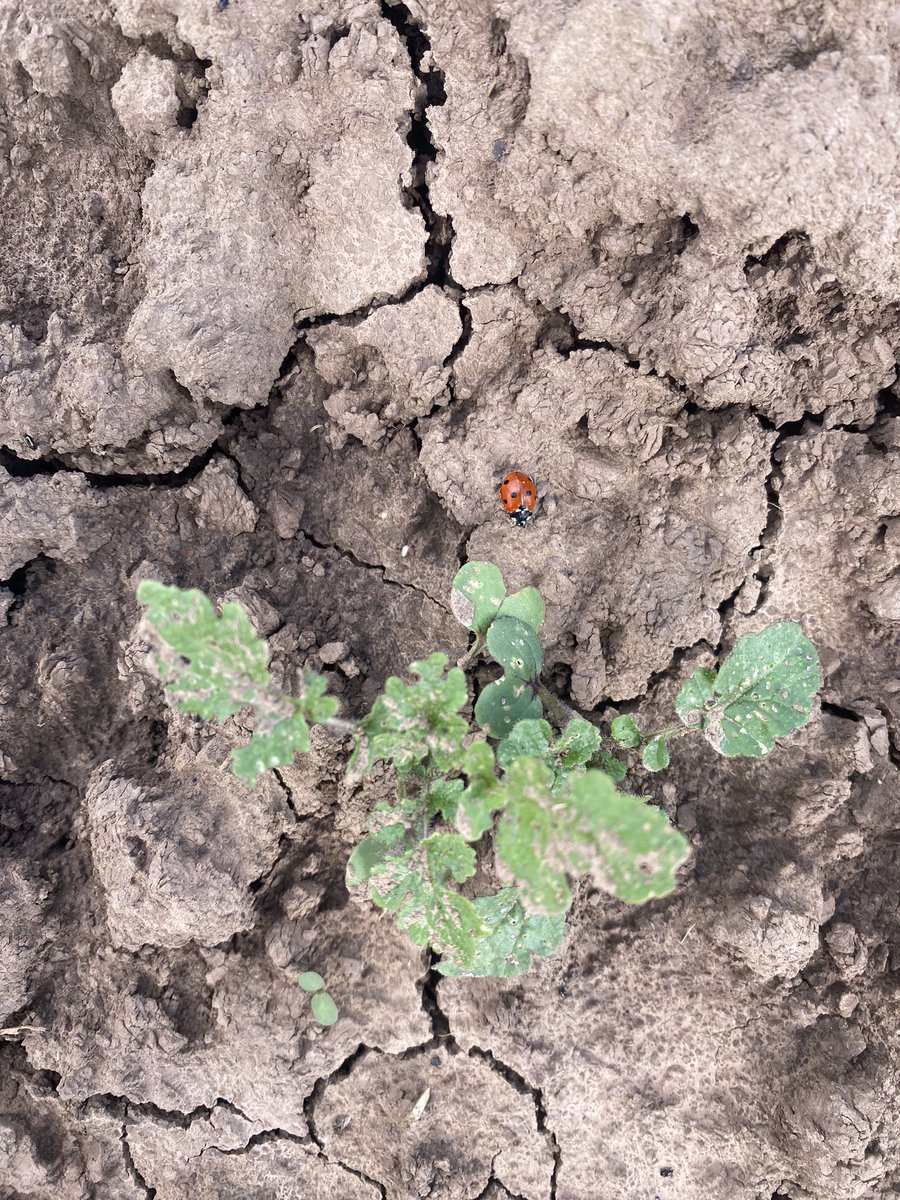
367, 566
131, 1167
309, 1112
521, 1085
430, 93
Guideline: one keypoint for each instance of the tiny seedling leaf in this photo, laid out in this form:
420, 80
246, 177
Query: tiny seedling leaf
505, 702
324, 1008
527, 605
763, 691
516, 647
311, 981
655, 756
625, 732
476, 595
514, 935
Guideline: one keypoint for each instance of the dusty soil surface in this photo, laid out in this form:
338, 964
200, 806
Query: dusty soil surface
283, 290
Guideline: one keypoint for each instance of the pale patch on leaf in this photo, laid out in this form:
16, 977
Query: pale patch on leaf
763, 691
214, 665
477, 594
629, 847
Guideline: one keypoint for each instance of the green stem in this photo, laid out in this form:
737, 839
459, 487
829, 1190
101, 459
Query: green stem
474, 650
671, 731
560, 712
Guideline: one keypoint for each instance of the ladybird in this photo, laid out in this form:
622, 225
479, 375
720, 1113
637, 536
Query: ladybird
518, 495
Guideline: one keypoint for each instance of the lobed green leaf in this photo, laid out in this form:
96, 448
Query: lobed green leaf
482, 795
274, 747
412, 723
214, 665
413, 877
528, 738
513, 936
629, 847
655, 756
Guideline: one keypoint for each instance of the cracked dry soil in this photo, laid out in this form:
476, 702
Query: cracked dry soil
283, 289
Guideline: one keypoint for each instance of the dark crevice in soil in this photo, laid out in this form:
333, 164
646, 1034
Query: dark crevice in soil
131, 1168
309, 1112
440, 1025
430, 94
521, 1085
841, 713
26, 468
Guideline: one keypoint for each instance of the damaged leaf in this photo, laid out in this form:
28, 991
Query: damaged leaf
588, 826
513, 936
763, 691
214, 665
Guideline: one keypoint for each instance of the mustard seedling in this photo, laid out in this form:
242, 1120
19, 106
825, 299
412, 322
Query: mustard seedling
542, 804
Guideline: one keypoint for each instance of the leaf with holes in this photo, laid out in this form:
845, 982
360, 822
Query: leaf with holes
482, 795
516, 647
526, 739
696, 697
577, 744
215, 665
629, 847
513, 937
625, 732
416, 883
411, 724
527, 605
477, 594
763, 691
505, 702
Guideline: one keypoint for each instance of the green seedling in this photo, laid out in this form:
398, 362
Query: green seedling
323, 1007
539, 799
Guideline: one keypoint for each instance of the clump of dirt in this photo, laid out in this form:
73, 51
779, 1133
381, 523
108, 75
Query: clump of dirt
283, 293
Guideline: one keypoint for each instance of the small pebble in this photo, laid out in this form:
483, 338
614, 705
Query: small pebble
333, 652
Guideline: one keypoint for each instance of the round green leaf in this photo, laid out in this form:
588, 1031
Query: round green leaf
527, 605
324, 1008
656, 755
625, 731
766, 688
516, 647
311, 981
504, 703
476, 595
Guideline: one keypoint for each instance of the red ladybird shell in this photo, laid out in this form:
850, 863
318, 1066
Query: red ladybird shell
518, 495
